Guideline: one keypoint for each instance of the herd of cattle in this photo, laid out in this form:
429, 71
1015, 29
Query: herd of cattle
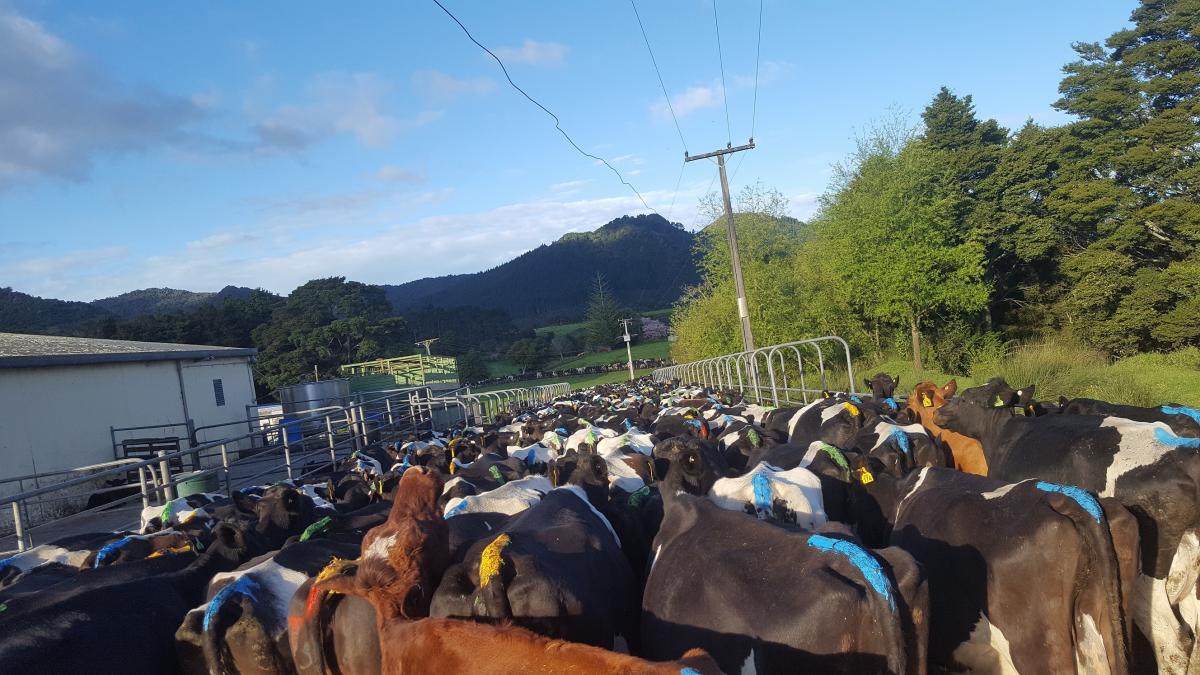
654, 528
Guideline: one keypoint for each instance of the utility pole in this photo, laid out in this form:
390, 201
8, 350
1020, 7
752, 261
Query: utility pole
426, 344
731, 230
628, 350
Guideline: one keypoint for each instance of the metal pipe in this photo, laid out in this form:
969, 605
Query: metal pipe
142, 485
164, 465
332, 444
225, 466
19, 526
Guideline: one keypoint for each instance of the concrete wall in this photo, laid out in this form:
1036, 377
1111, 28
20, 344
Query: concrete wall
59, 417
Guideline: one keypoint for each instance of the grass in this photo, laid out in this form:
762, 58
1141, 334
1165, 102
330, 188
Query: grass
646, 350
576, 382
1062, 368
560, 329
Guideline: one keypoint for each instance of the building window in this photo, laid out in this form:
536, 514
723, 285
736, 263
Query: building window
219, 392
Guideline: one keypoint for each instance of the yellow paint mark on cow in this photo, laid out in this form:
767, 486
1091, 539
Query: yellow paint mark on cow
335, 567
852, 408
926, 401
490, 561
186, 548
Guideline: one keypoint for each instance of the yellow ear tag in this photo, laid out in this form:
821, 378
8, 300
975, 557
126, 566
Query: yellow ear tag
852, 408
926, 401
998, 403
866, 477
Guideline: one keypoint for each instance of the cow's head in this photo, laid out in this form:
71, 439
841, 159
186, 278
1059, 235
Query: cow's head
281, 512
695, 465
929, 396
840, 428
998, 394
882, 386
591, 474
961, 416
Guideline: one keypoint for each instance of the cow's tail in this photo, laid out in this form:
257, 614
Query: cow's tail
310, 611
227, 608
882, 597
1097, 585
491, 598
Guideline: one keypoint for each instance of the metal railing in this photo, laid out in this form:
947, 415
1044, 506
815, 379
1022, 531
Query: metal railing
483, 407
418, 369
285, 448
774, 375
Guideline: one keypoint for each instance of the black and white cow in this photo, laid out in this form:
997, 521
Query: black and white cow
1153, 472
1184, 421
773, 597
556, 568
981, 541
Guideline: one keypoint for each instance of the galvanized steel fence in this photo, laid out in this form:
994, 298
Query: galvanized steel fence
776, 375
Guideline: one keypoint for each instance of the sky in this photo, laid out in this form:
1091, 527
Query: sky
198, 145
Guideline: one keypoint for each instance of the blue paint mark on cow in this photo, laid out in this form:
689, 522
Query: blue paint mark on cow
245, 585
6, 563
871, 570
628, 424
763, 495
891, 403
902, 441
1167, 438
694, 423
856, 399
1081, 496
458, 508
107, 550
561, 431
1181, 410
688, 671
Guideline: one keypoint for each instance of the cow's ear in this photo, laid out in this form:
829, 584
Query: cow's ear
1062, 403
1025, 395
243, 503
950, 389
867, 382
896, 380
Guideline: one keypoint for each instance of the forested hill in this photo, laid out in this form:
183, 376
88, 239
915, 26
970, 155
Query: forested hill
646, 262
165, 300
23, 312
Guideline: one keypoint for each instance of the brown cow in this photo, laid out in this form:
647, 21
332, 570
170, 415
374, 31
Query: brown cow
437, 646
926, 398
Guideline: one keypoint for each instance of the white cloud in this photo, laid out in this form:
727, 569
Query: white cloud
439, 85
768, 73
47, 269
691, 100
533, 53
59, 112
390, 173
284, 256
337, 103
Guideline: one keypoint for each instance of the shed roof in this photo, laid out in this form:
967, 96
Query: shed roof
18, 350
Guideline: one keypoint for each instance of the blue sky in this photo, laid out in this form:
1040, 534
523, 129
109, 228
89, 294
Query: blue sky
264, 144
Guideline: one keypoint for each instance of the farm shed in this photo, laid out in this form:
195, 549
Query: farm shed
61, 397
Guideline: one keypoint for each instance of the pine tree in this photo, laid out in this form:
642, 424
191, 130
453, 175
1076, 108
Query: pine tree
603, 316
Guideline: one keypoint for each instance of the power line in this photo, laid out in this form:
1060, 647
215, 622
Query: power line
757, 60
675, 194
721, 57
557, 122
660, 78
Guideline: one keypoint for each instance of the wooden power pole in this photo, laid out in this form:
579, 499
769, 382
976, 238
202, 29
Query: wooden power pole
731, 231
628, 350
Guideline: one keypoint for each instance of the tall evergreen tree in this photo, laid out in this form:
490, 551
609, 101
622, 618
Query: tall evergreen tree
1131, 194
603, 316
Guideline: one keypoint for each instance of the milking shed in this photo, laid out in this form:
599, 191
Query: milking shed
68, 402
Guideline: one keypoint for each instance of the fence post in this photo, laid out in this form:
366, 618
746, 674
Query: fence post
352, 427
391, 421
20, 527
287, 451
165, 468
225, 464
142, 484
332, 445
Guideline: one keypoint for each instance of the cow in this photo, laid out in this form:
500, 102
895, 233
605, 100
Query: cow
242, 628
966, 452
831, 420
1152, 472
117, 627
556, 568
1184, 421
340, 636
437, 646
982, 540
812, 602
883, 389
